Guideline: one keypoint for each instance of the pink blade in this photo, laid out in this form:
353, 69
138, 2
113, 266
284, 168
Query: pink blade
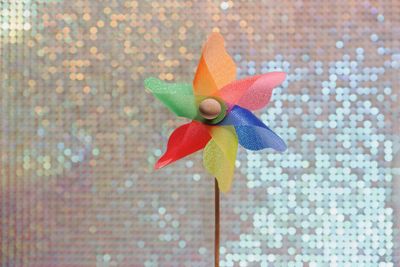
184, 141
253, 92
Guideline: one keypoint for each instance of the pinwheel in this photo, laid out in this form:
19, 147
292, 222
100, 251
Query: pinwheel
219, 107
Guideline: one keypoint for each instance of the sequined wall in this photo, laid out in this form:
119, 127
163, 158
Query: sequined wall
79, 134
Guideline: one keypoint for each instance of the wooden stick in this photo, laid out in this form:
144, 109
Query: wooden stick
216, 233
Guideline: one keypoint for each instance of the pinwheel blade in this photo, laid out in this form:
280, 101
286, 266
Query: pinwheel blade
216, 68
253, 92
184, 141
220, 155
253, 134
177, 97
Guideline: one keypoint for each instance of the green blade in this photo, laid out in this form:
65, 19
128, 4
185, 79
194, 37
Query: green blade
177, 97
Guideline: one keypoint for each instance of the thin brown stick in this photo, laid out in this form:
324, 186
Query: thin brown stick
216, 233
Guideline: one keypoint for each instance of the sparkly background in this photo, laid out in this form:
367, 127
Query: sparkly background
79, 134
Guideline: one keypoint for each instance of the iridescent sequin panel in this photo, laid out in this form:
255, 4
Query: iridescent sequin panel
79, 135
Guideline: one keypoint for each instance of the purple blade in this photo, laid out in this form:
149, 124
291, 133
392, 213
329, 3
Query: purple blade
253, 134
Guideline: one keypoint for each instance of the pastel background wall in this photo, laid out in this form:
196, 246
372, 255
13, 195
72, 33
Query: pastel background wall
79, 134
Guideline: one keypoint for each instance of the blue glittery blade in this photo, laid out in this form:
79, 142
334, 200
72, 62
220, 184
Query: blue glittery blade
253, 134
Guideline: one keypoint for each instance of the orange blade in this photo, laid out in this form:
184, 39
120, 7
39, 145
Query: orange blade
216, 68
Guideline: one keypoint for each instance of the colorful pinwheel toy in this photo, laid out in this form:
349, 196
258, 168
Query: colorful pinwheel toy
219, 107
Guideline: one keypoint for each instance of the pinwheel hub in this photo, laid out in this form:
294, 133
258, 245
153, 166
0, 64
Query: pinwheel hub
210, 108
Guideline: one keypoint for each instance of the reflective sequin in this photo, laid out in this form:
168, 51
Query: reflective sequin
79, 134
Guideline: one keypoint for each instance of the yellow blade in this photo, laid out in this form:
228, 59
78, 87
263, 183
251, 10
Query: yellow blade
220, 155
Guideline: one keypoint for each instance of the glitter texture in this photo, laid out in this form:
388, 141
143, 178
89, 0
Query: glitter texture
80, 136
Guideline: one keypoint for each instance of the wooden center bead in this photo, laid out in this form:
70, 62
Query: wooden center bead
210, 108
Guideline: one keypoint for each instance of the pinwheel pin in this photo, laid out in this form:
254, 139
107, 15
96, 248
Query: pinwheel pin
219, 107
